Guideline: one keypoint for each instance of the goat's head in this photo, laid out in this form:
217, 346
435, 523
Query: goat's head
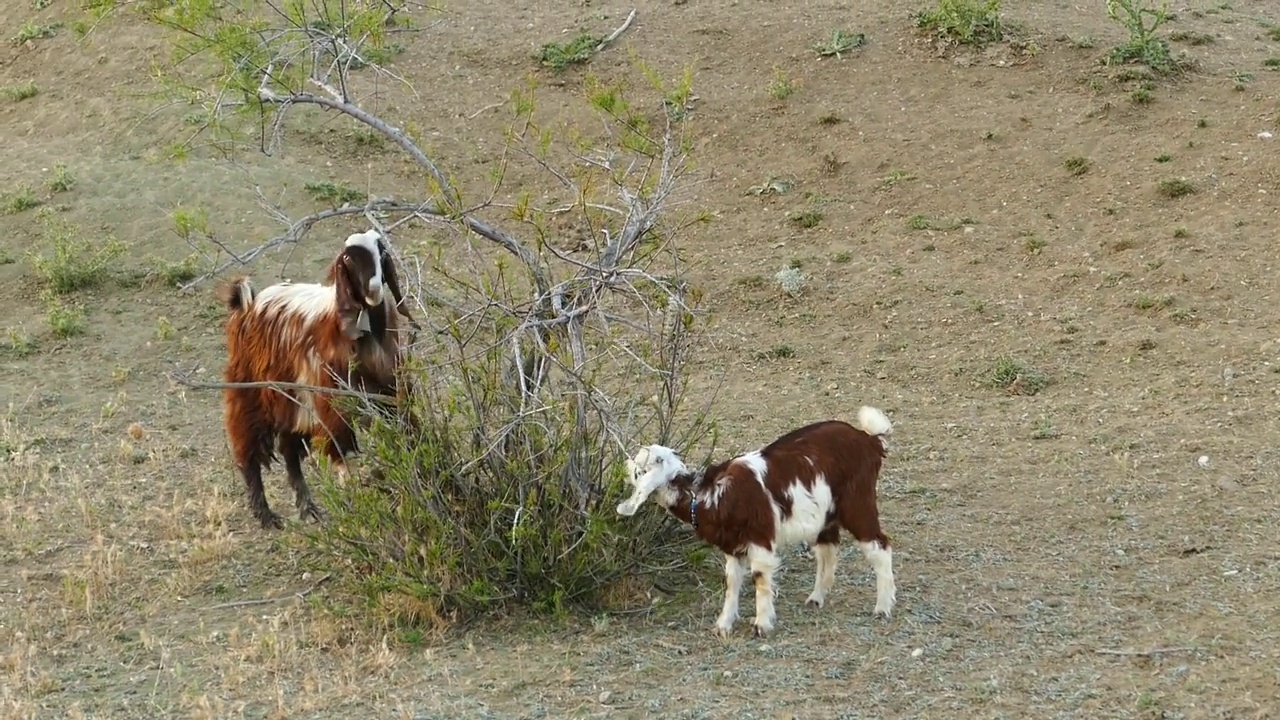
361, 273
652, 470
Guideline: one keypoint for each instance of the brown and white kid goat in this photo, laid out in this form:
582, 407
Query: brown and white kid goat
309, 334
803, 487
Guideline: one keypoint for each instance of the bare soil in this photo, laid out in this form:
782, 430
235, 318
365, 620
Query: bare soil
1062, 553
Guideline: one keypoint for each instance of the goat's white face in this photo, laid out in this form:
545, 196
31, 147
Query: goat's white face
652, 467
369, 241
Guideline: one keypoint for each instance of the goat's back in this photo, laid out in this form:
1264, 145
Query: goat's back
847, 457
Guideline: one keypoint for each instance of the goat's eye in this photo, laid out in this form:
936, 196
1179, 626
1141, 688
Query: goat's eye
658, 460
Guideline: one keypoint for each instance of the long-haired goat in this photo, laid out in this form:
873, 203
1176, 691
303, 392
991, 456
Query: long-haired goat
803, 487
309, 334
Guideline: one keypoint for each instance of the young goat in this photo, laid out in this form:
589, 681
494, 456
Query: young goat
803, 487
309, 334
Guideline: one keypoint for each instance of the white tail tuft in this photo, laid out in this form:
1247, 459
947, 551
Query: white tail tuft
873, 422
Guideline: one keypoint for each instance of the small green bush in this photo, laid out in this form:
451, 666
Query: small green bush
70, 261
967, 22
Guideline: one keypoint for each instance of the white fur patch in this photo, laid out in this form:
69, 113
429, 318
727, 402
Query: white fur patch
809, 511
308, 301
873, 422
755, 461
369, 241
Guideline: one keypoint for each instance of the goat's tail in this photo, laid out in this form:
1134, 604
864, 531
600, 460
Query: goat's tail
236, 294
873, 422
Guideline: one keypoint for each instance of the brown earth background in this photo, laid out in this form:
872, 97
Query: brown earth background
1046, 543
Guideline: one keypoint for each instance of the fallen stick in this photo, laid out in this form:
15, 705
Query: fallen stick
617, 32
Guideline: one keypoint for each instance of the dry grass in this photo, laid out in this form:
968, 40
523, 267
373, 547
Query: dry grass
1055, 366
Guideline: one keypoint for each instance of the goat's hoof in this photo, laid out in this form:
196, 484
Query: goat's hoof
722, 631
310, 511
760, 631
883, 613
270, 520
813, 604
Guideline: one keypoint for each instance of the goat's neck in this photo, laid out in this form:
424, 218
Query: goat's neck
685, 489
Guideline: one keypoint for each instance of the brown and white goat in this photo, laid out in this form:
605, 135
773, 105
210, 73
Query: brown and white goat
803, 487
308, 334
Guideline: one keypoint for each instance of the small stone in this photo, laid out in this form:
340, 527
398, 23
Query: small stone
917, 652
1203, 461
605, 697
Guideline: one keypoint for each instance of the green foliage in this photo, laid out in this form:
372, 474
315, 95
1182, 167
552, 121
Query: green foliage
70, 261
477, 506
227, 58
336, 195
1143, 46
1015, 376
20, 200
19, 92
62, 180
967, 22
66, 319
559, 56
841, 42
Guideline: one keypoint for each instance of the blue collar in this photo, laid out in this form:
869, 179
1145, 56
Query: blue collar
693, 511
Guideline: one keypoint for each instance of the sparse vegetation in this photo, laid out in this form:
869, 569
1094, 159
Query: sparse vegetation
1175, 188
31, 31
336, 195
967, 22
1015, 377
791, 280
19, 92
894, 178
18, 343
1150, 302
20, 200
806, 219
780, 86
840, 42
778, 352
1142, 21
66, 318
62, 180
68, 261
559, 56
1077, 165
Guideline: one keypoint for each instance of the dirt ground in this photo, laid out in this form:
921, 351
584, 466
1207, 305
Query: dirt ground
1105, 547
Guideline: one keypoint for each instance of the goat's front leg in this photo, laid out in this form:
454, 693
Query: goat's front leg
733, 574
763, 564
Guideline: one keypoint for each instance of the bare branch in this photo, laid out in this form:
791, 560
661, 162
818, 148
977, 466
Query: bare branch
617, 33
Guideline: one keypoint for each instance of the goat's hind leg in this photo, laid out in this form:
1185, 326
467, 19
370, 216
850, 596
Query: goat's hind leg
293, 447
825, 554
862, 520
251, 450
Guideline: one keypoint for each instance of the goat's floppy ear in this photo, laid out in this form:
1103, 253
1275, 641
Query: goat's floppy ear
349, 305
391, 279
